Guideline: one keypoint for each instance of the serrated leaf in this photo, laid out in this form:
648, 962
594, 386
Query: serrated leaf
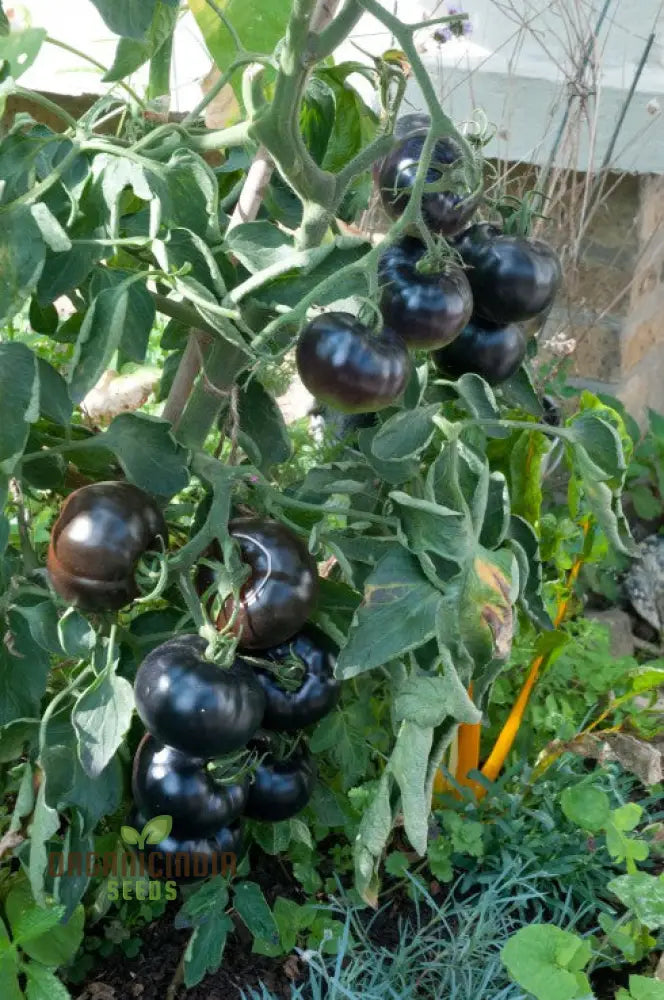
405, 434
397, 613
101, 717
429, 699
250, 903
408, 764
148, 453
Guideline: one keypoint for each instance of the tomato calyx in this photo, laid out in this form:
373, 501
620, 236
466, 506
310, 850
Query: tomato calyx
235, 768
289, 672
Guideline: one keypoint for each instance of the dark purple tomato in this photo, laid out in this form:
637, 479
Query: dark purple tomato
342, 363
495, 353
101, 532
552, 412
167, 782
318, 691
186, 859
513, 278
427, 310
195, 706
445, 212
281, 788
282, 588
414, 121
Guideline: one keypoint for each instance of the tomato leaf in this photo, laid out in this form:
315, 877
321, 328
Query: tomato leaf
429, 699
148, 453
262, 421
372, 836
397, 613
20, 49
405, 434
101, 717
19, 400
409, 764
250, 903
125, 17
132, 53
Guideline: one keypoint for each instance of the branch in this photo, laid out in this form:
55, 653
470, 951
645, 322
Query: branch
329, 39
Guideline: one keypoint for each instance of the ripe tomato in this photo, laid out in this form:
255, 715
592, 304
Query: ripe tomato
318, 691
282, 588
196, 706
513, 278
428, 310
495, 353
281, 788
100, 534
168, 782
445, 212
342, 363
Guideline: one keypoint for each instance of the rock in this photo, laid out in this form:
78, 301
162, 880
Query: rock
644, 583
619, 624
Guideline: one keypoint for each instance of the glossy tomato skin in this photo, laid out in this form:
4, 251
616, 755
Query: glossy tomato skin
281, 788
167, 782
513, 278
101, 532
445, 212
195, 706
347, 367
427, 310
495, 353
187, 859
318, 694
282, 589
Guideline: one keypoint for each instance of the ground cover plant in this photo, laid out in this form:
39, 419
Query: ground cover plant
224, 641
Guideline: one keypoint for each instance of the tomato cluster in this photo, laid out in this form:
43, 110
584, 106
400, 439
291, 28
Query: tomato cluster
197, 713
464, 306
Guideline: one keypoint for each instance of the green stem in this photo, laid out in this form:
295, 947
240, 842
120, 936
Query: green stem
211, 394
159, 83
32, 196
330, 38
57, 700
44, 102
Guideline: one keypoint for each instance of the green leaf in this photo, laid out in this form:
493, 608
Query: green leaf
70, 887
408, 764
259, 26
126, 17
643, 894
211, 898
642, 988
4, 23
355, 124
249, 901
262, 421
20, 49
157, 829
22, 254
205, 950
9, 985
28, 921
540, 959
405, 434
132, 53
54, 400
258, 245
439, 859
428, 700
43, 984
526, 460
68, 270
525, 545
148, 453
19, 400
101, 717
45, 822
390, 472
587, 806
430, 527
23, 672
397, 613
141, 310
372, 836
99, 338
519, 391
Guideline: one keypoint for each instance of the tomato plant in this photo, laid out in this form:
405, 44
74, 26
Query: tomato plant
187, 543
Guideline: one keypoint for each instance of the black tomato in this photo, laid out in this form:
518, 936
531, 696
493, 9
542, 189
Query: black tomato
281, 788
318, 692
100, 534
187, 859
427, 310
167, 782
342, 363
195, 706
414, 121
552, 412
282, 588
445, 212
495, 353
513, 278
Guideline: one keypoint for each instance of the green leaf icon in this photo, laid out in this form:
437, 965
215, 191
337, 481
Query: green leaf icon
129, 835
157, 829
